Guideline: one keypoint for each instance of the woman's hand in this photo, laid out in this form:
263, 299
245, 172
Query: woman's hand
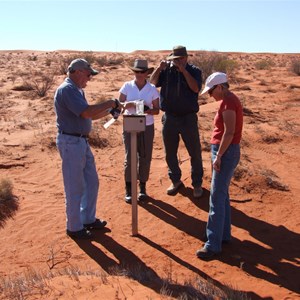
217, 163
129, 105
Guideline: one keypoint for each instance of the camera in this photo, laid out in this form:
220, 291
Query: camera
115, 112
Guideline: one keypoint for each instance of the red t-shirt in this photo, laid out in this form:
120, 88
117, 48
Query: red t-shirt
230, 102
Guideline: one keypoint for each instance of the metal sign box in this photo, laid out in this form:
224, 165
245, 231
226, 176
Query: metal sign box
134, 123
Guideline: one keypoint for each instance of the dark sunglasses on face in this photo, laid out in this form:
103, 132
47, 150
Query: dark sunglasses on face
140, 72
87, 75
211, 90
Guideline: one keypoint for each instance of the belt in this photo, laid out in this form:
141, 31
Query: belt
85, 136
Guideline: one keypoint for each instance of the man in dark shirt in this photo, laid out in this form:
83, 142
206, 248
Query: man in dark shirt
180, 84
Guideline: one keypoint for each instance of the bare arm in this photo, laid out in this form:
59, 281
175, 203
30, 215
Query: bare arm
155, 75
155, 109
191, 81
229, 117
98, 111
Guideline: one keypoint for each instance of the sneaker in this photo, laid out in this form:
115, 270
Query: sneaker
142, 197
98, 224
128, 199
198, 191
82, 234
205, 253
128, 192
174, 187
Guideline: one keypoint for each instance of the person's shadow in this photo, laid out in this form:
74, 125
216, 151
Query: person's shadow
277, 261
275, 257
126, 263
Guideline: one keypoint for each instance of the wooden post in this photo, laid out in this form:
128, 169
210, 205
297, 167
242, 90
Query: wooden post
134, 183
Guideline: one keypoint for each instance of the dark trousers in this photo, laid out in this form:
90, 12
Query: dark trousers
185, 127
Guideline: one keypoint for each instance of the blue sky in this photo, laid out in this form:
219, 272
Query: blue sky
125, 26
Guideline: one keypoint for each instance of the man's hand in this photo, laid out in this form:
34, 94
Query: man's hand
179, 64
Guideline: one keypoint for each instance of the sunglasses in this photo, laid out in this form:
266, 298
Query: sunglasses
87, 75
211, 90
140, 72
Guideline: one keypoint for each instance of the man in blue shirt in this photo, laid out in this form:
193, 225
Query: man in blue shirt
74, 122
180, 84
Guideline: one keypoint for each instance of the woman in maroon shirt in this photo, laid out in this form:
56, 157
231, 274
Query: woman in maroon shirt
225, 155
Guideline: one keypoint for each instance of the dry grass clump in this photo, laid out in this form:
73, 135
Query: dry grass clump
296, 66
34, 284
210, 62
8, 202
271, 139
264, 64
272, 181
6, 188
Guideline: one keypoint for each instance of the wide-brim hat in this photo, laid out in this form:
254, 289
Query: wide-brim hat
141, 65
178, 51
81, 64
214, 79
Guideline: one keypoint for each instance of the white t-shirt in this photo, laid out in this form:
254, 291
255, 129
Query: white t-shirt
148, 93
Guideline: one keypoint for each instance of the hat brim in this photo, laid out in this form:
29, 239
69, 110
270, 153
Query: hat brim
206, 89
149, 70
94, 72
171, 56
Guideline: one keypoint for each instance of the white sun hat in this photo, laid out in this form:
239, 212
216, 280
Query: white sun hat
214, 79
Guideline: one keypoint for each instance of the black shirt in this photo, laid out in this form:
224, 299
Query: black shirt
176, 97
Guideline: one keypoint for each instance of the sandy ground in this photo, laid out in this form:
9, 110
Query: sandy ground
263, 259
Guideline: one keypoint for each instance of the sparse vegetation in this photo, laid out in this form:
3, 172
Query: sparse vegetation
273, 182
6, 188
8, 202
210, 62
271, 129
264, 64
296, 66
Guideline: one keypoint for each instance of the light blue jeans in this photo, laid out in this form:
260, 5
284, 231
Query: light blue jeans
218, 227
81, 182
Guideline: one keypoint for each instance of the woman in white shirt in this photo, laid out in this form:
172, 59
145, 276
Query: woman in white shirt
132, 91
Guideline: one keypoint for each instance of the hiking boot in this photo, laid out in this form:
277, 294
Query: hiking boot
197, 192
142, 194
174, 187
98, 224
205, 253
128, 192
82, 234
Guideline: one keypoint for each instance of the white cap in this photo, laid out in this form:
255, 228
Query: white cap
214, 79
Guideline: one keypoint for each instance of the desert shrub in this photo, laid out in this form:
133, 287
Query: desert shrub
65, 61
264, 64
6, 188
116, 60
271, 139
101, 61
272, 181
296, 66
210, 62
39, 83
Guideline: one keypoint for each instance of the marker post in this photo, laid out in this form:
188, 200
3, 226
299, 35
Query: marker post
134, 124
